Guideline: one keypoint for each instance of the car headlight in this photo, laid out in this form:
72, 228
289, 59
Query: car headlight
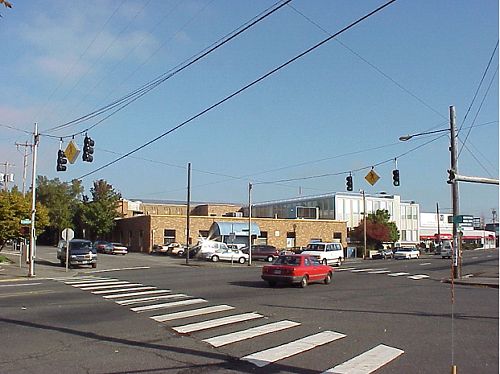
72, 256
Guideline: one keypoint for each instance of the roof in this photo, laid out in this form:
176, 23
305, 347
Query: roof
219, 228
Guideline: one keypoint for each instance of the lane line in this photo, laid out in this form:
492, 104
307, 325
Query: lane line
379, 272
368, 361
20, 284
152, 298
119, 269
219, 341
144, 288
280, 352
361, 270
168, 305
425, 263
98, 288
192, 313
418, 276
397, 274
344, 269
192, 327
97, 284
130, 294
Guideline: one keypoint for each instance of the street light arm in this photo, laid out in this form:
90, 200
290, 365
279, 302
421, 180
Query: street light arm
408, 137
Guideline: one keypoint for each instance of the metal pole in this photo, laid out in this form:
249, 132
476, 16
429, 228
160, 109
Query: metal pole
364, 226
188, 209
439, 231
31, 252
249, 224
454, 191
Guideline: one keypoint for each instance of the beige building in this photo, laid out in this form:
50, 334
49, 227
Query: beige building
147, 224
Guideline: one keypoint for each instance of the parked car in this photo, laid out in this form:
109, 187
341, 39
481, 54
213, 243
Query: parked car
296, 269
326, 253
164, 249
117, 249
233, 255
406, 253
80, 252
263, 252
102, 246
235, 245
210, 246
383, 254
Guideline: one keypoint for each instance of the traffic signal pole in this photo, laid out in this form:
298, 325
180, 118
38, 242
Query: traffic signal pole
454, 191
31, 252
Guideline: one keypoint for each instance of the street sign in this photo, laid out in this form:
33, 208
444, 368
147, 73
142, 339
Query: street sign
464, 220
26, 221
372, 177
72, 151
68, 234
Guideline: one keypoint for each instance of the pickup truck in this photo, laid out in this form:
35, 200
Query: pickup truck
80, 252
326, 253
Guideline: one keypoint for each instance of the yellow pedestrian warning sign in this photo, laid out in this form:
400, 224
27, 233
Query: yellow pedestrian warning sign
72, 151
372, 177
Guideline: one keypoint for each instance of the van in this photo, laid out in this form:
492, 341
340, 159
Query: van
446, 249
326, 253
210, 246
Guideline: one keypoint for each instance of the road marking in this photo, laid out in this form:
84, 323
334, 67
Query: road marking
425, 263
379, 272
361, 270
96, 284
98, 288
144, 288
90, 281
135, 294
168, 305
192, 313
475, 257
418, 276
152, 298
216, 322
397, 274
19, 284
271, 355
368, 361
219, 341
119, 269
344, 269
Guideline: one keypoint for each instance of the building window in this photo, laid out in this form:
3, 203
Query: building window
337, 235
168, 236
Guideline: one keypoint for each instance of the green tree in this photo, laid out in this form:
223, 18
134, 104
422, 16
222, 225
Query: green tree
99, 214
62, 200
14, 206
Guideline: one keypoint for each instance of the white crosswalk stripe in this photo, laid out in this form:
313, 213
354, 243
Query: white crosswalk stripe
130, 294
379, 272
344, 269
271, 355
108, 287
192, 313
151, 298
192, 327
367, 362
143, 288
418, 276
168, 305
91, 281
98, 283
219, 341
397, 274
361, 270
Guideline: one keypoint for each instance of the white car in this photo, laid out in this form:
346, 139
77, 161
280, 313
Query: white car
326, 253
233, 255
406, 253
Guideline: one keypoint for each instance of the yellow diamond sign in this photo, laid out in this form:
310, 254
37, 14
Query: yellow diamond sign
372, 177
72, 151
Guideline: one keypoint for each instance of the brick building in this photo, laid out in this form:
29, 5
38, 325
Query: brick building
150, 223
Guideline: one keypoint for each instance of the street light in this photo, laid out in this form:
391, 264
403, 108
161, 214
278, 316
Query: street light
408, 137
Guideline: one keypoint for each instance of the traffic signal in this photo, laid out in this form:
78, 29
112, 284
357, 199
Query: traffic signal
451, 177
88, 149
348, 182
61, 160
395, 177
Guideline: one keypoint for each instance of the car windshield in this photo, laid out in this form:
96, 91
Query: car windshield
404, 250
287, 260
80, 245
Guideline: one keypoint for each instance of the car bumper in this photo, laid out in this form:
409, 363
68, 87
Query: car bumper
288, 279
119, 252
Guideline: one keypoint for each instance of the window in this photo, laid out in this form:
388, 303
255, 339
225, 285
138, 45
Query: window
337, 235
307, 262
168, 236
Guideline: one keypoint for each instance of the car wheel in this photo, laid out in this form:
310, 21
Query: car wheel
94, 266
241, 260
215, 258
325, 261
270, 259
271, 283
304, 281
339, 261
328, 278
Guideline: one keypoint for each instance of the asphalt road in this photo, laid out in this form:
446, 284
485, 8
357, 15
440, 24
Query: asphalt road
401, 307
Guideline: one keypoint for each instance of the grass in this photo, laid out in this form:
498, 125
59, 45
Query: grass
4, 259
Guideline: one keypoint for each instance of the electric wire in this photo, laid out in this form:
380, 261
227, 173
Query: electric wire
141, 91
244, 88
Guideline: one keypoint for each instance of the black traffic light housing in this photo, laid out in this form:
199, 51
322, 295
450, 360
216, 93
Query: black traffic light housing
348, 182
88, 149
61, 160
395, 177
451, 177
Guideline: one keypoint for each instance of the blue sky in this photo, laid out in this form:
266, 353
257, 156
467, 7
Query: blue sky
340, 108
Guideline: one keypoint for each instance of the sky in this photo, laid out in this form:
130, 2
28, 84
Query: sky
337, 109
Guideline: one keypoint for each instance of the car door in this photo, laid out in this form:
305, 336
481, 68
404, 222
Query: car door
318, 268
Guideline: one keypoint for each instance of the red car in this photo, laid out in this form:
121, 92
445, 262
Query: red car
296, 269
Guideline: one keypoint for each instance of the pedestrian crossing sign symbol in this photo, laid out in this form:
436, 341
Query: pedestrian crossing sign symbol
372, 177
72, 152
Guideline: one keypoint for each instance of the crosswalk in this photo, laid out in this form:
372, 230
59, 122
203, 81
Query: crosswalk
155, 303
383, 271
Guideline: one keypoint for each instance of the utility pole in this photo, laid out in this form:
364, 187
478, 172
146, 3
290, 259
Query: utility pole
365, 249
188, 211
249, 224
31, 252
6, 176
454, 191
439, 231
25, 162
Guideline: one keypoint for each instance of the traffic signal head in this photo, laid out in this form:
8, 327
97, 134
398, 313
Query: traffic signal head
88, 149
348, 182
61, 161
395, 177
451, 177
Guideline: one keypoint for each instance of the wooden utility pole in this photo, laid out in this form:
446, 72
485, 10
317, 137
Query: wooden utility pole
25, 161
454, 191
188, 209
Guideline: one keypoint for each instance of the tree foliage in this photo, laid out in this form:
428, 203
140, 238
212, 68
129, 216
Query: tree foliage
379, 229
14, 206
99, 214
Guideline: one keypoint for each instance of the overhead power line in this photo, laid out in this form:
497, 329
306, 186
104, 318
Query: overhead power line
244, 88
